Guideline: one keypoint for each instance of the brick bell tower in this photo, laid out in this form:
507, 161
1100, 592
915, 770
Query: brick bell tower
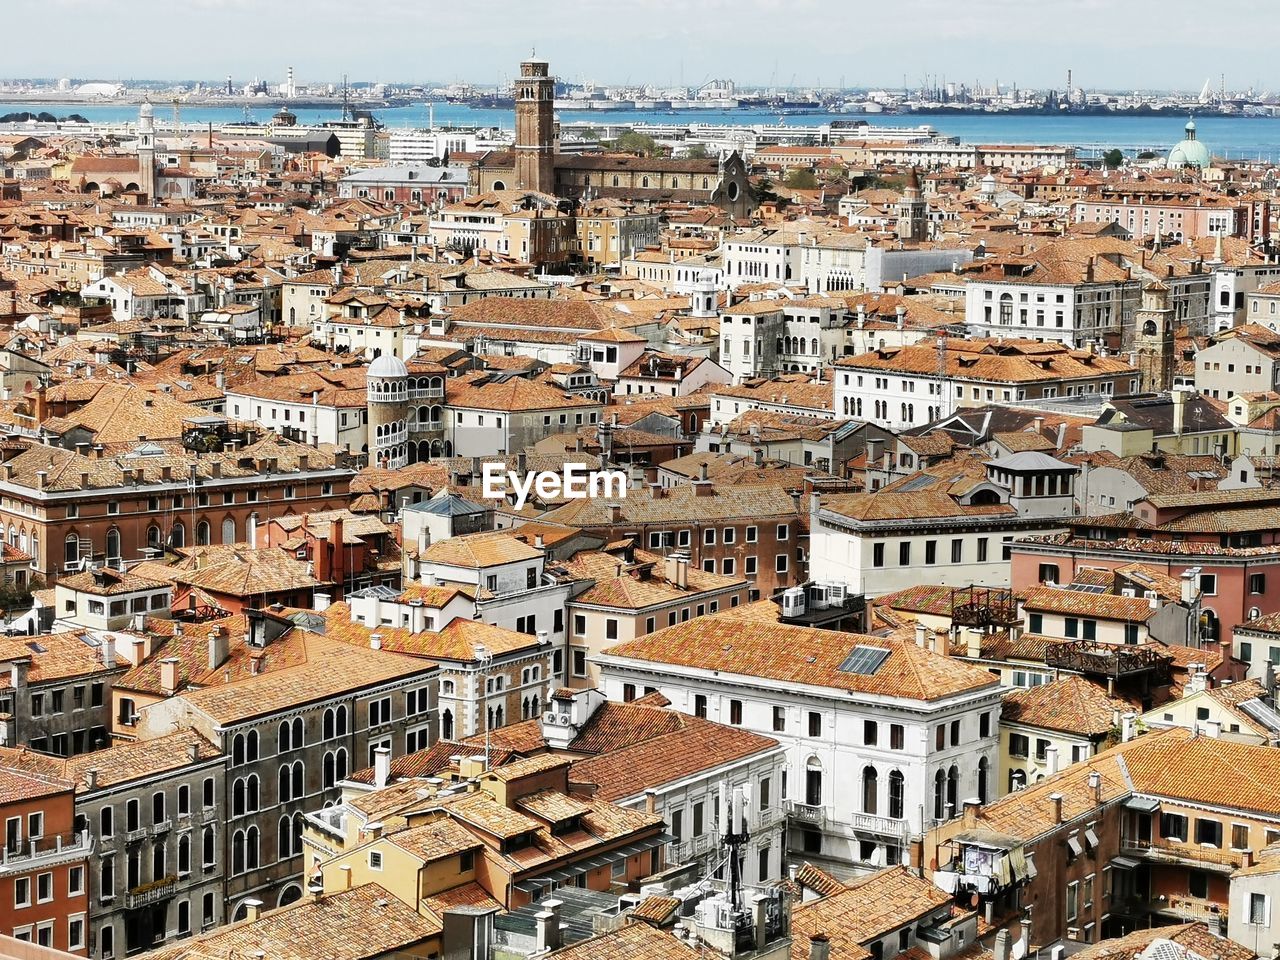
535, 127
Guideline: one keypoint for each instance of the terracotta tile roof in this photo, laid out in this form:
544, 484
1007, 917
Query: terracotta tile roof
1071, 705
697, 746
927, 598
552, 806
656, 909
1104, 606
123, 763
191, 649
237, 570
680, 505
862, 911
512, 394
991, 361
57, 656
456, 641
466, 895
1194, 937
641, 585
438, 839
819, 881
479, 550
804, 656
24, 785
309, 681
107, 582
358, 924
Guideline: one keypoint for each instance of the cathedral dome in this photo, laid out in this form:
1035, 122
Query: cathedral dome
146, 110
1190, 152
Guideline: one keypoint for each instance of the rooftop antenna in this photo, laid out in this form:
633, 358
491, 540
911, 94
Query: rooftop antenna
733, 807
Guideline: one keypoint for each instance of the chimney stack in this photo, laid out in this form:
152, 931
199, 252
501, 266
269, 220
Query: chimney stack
169, 676
819, 947
1001, 948
547, 923
381, 767
1056, 800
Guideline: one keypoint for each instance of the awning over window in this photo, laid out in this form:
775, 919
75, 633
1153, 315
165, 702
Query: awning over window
1074, 846
1142, 804
1125, 863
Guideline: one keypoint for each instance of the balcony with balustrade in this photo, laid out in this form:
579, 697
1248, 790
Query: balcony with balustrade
149, 893
46, 851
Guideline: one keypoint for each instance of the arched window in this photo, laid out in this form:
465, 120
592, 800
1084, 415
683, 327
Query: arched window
1017, 780
251, 794
327, 771
282, 781
298, 739
229, 530
326, 732
897, 793
446, 725
340, 763
299, 780
342, 720
644, 181
208, 852
237, 852
813, 346
813, 782
284, 737
251, 746
251, 848
284, 838
113, 544
71, 551
237, 798
939, 795
983, 767
953, 790
153, 536
204, 533
184, 853
870, 790
237, 750
674, 182
178, 534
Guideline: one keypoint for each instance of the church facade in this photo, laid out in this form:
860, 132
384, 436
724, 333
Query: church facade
111, 175
535, 163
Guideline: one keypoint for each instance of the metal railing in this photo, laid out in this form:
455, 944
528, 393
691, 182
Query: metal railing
1180, 852
49, 846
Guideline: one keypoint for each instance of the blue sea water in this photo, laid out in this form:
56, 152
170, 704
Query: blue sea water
1232, 137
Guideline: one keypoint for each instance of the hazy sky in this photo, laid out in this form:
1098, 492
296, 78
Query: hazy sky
1115, 44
